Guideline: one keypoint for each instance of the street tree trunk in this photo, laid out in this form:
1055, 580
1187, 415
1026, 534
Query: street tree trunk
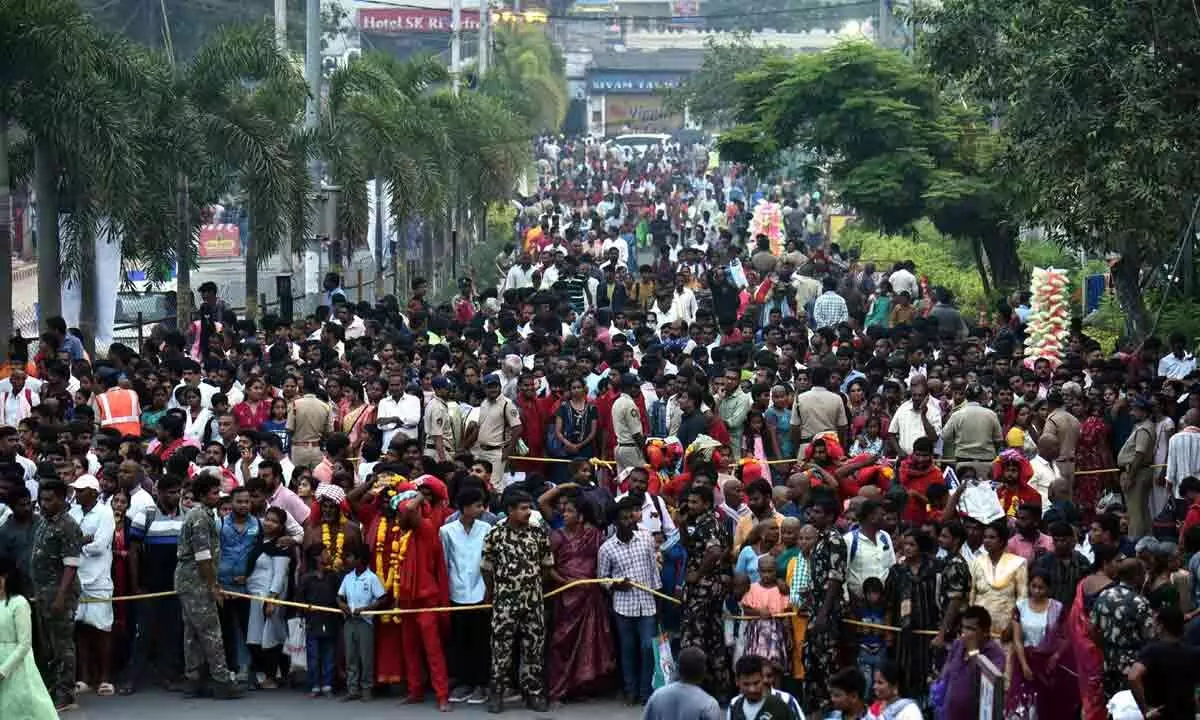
251, 246
6, 235
45, 180
1126, 276
183, 255
1000, 244
380, 231
981, 266
87, 291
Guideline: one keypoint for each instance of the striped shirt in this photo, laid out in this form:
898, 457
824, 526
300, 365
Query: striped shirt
158, 532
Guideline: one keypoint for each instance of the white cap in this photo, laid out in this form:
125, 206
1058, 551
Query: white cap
86, 482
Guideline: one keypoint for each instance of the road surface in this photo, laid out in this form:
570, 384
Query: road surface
296, 705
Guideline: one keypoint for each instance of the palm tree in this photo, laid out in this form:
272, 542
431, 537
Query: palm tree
248, 101
380, 122
491, 150
70, 88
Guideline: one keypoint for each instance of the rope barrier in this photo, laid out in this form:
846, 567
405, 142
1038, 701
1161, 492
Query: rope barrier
307, 607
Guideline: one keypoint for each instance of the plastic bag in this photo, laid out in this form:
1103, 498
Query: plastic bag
664, 662
296, 645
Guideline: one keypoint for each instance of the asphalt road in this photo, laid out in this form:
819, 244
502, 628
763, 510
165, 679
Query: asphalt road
296, 705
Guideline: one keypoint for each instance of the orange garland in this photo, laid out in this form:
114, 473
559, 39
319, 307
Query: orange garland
336, 551
391, 579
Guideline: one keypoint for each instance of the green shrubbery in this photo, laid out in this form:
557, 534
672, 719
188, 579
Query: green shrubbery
936, 257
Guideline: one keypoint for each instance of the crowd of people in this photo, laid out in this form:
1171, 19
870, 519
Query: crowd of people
810, 484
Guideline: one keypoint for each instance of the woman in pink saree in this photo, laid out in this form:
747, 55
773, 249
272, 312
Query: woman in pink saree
581, 653
1088, 658
1043, 685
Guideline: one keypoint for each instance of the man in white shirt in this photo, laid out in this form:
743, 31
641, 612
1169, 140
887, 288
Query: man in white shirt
903, 280
1045, 469
1179, 363
655, 518
869, 550
353, 324
19, 394
683, 304
916, 417
191, 377
614, 242
94, 619
399, 412
520, 275
1183, 452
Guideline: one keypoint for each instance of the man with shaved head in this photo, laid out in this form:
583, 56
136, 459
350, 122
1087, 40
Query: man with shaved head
1183, 452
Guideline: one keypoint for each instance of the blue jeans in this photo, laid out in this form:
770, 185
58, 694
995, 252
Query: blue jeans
636, 635
867, 664
320, 651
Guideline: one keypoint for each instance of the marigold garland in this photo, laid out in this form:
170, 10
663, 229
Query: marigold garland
391, 579
338, 562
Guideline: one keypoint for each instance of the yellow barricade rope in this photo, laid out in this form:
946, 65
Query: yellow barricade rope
482, 606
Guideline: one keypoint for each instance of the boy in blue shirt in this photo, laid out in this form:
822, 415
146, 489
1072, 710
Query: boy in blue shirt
360, 590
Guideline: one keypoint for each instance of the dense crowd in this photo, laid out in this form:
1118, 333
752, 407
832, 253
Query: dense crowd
811, 484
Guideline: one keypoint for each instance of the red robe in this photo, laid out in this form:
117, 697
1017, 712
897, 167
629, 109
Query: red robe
917, 483
536, 416
424, 583
389, 655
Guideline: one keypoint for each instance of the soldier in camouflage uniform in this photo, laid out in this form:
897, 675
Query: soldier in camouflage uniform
515, 556
54, 567
199, 595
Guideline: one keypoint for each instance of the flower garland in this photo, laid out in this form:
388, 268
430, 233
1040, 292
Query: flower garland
391, 579
338, 562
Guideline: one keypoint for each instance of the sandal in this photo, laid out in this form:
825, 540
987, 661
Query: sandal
105, 690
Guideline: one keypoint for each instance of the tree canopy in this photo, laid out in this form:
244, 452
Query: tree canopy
882, 134
1097, 107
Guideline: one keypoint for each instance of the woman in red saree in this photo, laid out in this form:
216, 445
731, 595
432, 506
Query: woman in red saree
581, 649
1093, 452
1087, 655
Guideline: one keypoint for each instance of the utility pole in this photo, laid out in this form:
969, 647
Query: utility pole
485, 39
456, 44
883, 30
312, 76
281, 25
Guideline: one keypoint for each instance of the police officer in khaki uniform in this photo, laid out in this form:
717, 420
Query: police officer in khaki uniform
496, 429
439, 435
627, 425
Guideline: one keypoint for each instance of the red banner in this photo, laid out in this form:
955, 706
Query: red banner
220, 241
401, 21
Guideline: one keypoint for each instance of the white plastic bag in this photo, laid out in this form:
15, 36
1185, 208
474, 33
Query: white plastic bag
296, 646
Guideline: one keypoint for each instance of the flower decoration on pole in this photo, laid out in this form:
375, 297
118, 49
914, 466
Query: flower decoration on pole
1047, 329
768, 220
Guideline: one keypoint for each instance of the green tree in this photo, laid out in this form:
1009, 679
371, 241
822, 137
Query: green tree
528, 74
71, 90
1096, 103
706, 93
379, 122
889, 143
